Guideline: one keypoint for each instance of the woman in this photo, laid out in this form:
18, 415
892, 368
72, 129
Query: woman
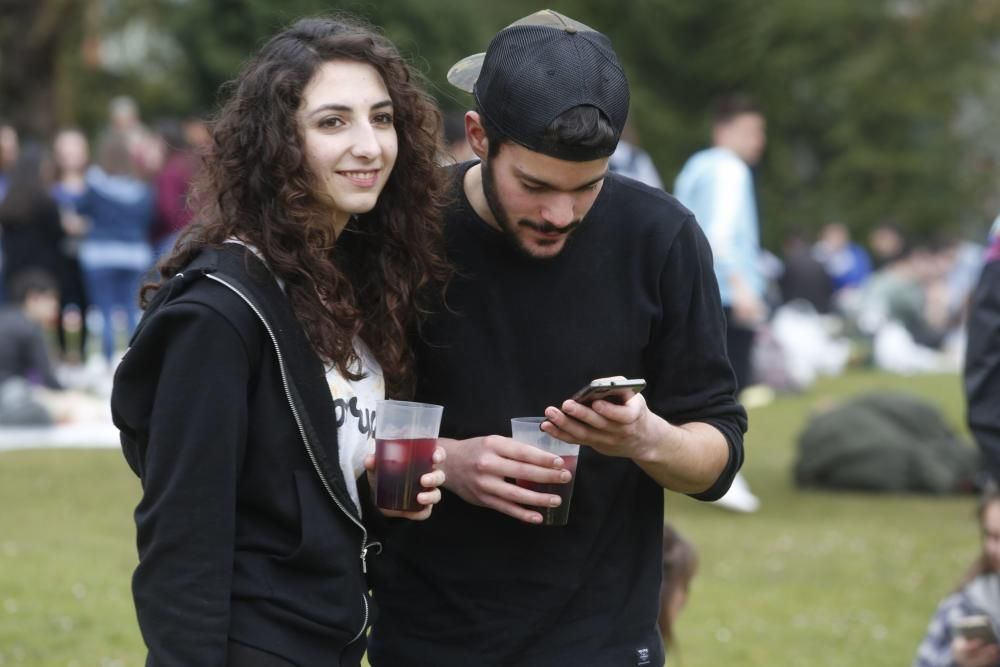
115, 251
977, 594
72, 155
29, 218
246, 400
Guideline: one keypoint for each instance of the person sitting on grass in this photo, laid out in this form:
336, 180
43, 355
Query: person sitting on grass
33, 306
978, 594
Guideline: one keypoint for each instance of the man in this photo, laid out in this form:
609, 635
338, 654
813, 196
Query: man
564, 273
717, 185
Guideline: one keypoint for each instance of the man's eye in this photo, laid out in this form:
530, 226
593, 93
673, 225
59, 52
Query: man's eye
532, 188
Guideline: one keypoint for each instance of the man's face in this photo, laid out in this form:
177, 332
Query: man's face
746, 135
538, 200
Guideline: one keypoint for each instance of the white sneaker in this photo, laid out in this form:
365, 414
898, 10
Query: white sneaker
739, 498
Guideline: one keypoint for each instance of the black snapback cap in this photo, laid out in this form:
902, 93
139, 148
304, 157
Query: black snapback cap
537, 68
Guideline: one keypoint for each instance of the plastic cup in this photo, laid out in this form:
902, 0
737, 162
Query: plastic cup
526, 430
405, 437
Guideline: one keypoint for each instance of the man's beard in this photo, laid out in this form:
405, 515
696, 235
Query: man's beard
508, 227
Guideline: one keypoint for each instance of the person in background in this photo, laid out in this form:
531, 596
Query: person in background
124, 120
31, 310
845, 261
115, 252
978, 593
29, 217
886, 243
802, 275
29, 388
982, 362
680, 564
71, 154
8, 157
173, 184
717, 185
456, 146
9, 149
629, 159
316, 238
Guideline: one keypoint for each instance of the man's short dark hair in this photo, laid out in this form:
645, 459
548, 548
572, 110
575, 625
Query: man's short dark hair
580, 127
729, 107
30, 281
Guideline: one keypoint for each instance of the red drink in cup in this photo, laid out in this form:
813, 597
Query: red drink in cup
399, 464
528, 431
405, 439
555, 516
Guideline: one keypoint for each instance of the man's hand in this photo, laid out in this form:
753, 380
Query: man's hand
974, 653
627, 430
431, 481
687, 458
482, 471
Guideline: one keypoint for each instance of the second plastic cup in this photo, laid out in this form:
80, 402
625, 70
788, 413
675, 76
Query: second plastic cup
526, 430
405, 437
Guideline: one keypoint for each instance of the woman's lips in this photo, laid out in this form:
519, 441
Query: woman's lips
361, 178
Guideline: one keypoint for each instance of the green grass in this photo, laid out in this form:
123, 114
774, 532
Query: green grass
817, 578
813, 579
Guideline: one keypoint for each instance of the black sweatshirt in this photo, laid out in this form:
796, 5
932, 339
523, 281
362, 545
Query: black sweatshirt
633, 294
243, 532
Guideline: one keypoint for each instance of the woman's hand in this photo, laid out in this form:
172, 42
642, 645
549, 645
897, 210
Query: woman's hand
431, 481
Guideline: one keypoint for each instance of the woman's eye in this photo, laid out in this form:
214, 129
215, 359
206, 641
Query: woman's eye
333, 121
383, 119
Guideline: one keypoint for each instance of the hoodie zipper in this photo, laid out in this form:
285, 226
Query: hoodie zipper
305, 441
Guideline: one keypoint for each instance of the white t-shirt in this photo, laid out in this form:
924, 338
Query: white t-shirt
354, 410
353, 406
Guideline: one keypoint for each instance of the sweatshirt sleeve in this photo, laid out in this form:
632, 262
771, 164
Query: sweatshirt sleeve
982, 367
693, 380
180, 400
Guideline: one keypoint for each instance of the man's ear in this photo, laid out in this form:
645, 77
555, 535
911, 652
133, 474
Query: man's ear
475, 134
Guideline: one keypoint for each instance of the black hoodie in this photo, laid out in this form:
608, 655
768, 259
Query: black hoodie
245, 529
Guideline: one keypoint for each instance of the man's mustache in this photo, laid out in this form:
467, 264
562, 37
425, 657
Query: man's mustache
549, 228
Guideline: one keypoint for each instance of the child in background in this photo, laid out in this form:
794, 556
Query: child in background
978, 594
680, 563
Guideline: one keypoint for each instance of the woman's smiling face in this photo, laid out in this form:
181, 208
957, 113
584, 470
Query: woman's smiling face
350, 141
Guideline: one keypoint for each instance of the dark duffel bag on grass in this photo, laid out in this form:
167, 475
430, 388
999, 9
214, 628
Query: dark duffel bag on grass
885, 441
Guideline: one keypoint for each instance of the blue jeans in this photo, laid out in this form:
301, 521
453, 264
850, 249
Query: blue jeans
110, 288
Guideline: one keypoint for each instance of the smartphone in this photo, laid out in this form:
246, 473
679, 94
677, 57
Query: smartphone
614, 391
975, 627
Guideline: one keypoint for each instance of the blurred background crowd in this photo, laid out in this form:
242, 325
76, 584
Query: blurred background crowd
873, 203
874, 196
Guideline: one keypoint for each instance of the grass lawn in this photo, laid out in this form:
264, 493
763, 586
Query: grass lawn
812, 579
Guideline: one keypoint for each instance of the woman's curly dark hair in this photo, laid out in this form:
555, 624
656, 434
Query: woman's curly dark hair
372, 281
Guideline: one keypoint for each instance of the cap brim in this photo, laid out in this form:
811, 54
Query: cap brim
464, 73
